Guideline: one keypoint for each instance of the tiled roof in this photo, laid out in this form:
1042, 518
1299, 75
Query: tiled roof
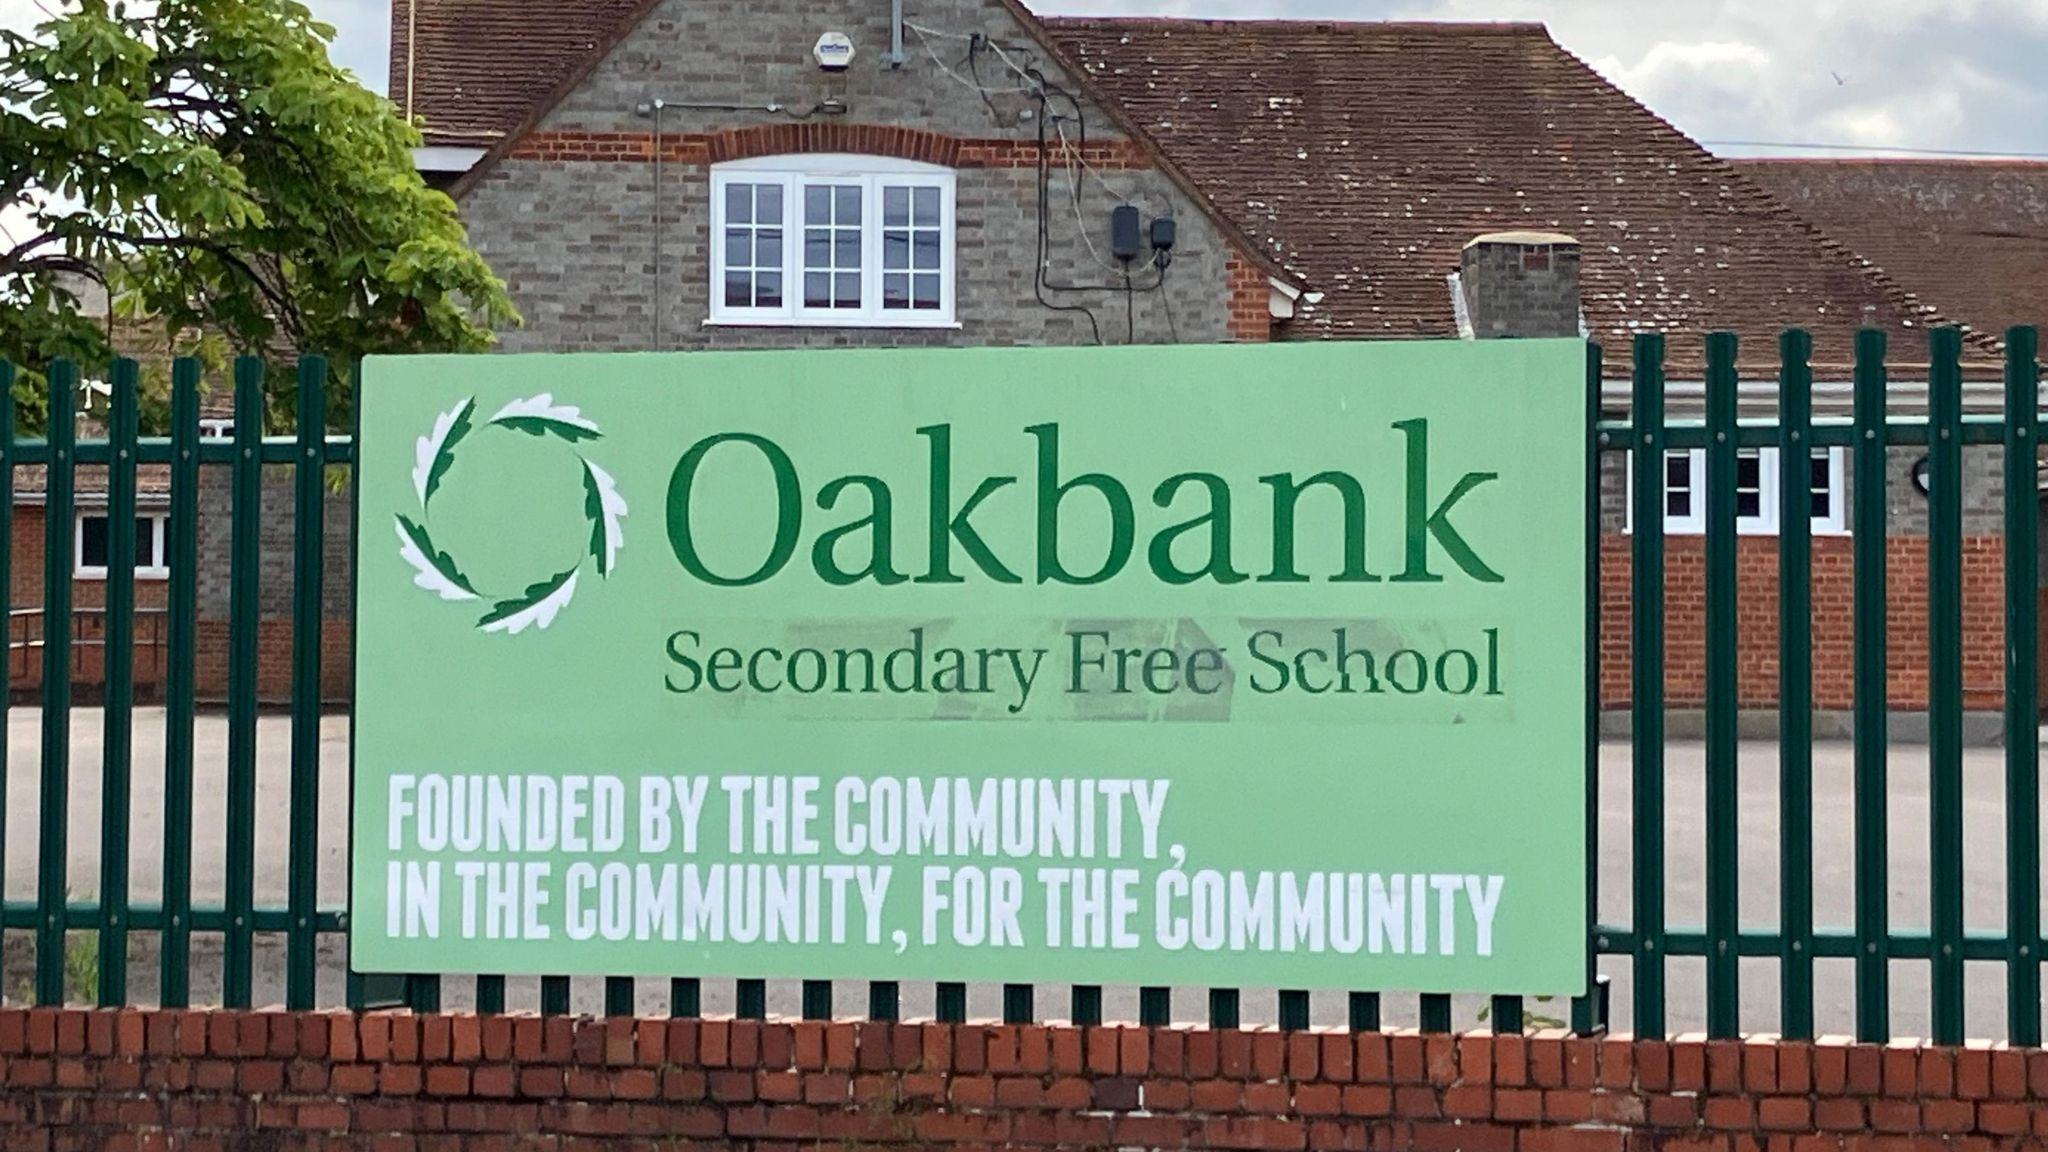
1968, 236
1366, 155
485, 64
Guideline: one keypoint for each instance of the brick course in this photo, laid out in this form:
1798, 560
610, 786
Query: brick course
77, 1079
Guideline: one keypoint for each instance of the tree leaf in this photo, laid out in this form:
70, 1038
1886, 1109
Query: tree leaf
537, 608
606, 508
541, 416
433, 569
434, 454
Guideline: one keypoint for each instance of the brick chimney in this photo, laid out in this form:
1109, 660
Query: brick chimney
1520, 284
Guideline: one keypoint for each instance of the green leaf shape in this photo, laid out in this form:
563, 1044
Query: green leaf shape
442, 561
593, 507
542, 426
445, 458
534, 594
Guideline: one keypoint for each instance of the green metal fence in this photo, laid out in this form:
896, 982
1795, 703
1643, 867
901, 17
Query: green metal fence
1645, 945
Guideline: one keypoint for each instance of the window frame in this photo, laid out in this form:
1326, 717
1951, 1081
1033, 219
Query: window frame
160, 527
872, 174
1766, 522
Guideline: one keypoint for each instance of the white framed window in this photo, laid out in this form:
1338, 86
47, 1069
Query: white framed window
832, 240
152, 560
1757, 481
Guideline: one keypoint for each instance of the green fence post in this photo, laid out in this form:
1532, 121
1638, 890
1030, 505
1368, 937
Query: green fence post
950, 1003
554, 995
1584, 1017
490, 995
309, 537
885, 1000
817, 1000
244, 564
685, 996
53, 844
1363, 1011
6, 605
1724, 800
117, 656
1646, 415
1795, 685
1224, 1008
1873, 924
1945, 675
1019, 1003
1085, 1008
180, 685
750, 1000
2022, 689
1294, 1010
1155, 1006
618, 995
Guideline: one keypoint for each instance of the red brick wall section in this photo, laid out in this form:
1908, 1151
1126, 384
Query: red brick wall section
222, 1082
786, 139
1251, 314
1833, 584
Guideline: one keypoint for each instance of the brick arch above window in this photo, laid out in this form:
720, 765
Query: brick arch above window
864, 139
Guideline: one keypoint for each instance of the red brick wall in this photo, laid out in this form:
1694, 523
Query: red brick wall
783, 139
1251, 314
220, 1081
88, 664
1833, 632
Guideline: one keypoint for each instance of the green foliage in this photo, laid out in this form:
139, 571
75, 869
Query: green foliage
82, 967
207, 162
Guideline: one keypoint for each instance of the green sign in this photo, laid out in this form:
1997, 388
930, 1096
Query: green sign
1207, 665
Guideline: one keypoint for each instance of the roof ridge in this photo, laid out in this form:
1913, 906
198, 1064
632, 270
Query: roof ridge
1887, 161
1473, 27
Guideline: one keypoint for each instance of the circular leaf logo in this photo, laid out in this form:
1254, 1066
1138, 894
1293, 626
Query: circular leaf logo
543, 599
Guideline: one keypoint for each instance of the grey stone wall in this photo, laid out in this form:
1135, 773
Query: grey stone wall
575, 240
1520, 290
278, 533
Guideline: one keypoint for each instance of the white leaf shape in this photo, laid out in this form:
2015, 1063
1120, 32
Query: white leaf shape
428, 448
544, 408
540, 613
427, 576
611, 509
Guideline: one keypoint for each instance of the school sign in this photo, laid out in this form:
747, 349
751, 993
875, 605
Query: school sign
1204, 665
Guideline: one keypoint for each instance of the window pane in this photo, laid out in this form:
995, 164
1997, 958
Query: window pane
895, 250
848, 198
1748, 503
817, 247
817, 290
737, 290
927, 291
846, 249
92, 551
768, 248
739, 203
768, 290
896, 290
1823, 501
927, 207
1677, 503
847, 291
817, 204
1677, 472
739, 247
895, 207
927, 245
1748, 470
145, 542
768, 203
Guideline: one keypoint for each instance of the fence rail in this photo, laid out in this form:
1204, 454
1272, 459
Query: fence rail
1647, 944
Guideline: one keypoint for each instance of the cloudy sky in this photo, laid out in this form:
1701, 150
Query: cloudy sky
1871, 75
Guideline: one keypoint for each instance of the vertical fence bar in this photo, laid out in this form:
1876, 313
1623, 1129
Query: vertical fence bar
1086, 1009
949, 1004
1646, 671
490, 995
1019, 1005
885, 1000
618, 995
1155, 1006
1362, 1010
685, 996
750, 1000
1435, 1012
1505, 1014
117, 664
6, 602
1583, 1014
180, 685
1945, 675
53, 846
1294, 1010
817, 1003
1795, 685
1723, 798
245, 559
554, 995
309, 537
2022, 688
1873, 920
1224, 1008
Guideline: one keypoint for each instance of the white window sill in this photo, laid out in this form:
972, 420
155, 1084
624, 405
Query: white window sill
835, 322
140, 574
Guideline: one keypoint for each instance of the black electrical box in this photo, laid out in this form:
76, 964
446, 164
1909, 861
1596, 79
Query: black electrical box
1162, 234
1123, 232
